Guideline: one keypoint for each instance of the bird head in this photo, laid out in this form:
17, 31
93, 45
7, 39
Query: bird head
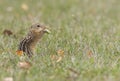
39, 29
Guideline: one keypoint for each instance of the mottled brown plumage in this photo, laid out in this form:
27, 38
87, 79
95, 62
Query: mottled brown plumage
27, 45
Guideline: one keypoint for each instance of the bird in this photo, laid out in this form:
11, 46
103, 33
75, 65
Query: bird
28, 43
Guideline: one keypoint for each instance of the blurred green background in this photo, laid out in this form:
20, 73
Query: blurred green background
86, 30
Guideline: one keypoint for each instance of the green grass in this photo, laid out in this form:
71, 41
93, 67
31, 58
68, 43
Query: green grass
77, 26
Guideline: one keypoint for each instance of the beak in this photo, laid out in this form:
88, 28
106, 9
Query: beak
47, 31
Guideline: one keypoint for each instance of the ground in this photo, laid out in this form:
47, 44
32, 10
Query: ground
84, 44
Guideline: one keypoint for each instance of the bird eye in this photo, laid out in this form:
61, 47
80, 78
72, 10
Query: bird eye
38, 25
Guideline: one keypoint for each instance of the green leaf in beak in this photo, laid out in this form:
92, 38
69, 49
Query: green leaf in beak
47, 31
